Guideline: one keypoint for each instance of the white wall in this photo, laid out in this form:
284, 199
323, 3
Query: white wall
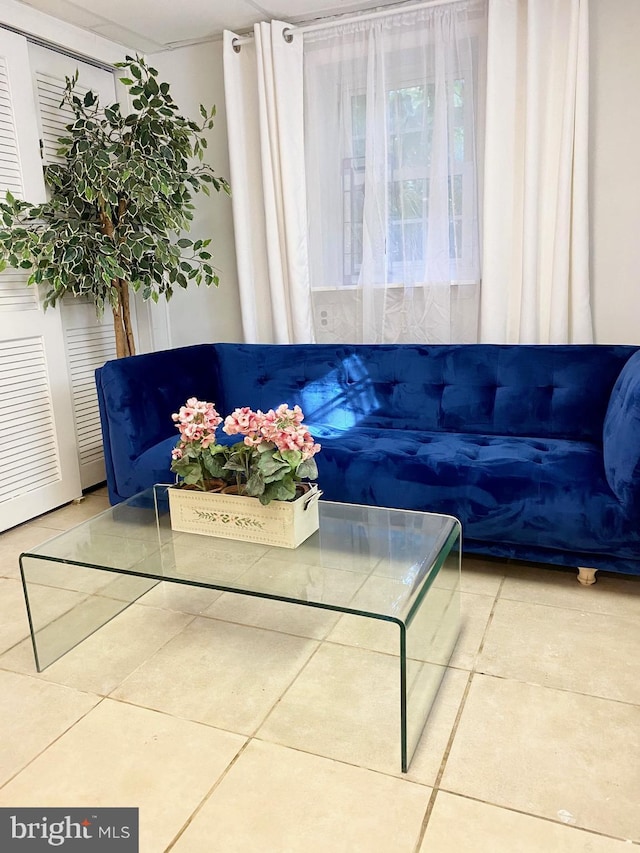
615, 169
200, 314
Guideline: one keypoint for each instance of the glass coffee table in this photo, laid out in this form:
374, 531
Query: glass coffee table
398, 571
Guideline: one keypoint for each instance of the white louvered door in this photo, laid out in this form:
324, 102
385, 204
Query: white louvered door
89, 342
38, 461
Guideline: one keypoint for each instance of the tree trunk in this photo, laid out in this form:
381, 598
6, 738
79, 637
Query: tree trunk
125, 344
122, 322
126, 316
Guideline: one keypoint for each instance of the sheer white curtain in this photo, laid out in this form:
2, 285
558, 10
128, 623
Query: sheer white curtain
535, 286
393, 125
263, 93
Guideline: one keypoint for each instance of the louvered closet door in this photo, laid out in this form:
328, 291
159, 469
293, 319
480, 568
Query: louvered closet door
89, 342
38, 462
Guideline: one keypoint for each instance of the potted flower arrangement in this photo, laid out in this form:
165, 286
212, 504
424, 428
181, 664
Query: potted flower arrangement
218, 484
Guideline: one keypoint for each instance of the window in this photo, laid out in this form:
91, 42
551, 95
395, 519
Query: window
391, 129
409, 125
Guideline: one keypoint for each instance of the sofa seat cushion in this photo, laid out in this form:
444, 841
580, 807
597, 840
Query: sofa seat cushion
523, 490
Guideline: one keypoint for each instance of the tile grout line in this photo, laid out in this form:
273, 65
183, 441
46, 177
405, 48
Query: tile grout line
38, 675
454, 728
206, 797
536, 816
319, 644
57, 738
435, 787
489, 621
400, 777
535, 683
260, 739
149, 657
559, 689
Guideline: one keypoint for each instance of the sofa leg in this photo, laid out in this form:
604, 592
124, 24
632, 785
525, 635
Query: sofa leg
586, 576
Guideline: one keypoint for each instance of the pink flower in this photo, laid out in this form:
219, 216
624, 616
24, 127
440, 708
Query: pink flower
280, 429
309, 447
283, 427
243, 421
197, 421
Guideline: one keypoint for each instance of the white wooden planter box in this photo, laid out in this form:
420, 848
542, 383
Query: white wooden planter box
284, 523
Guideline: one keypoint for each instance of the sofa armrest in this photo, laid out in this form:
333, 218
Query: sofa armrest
621, 436
137, 397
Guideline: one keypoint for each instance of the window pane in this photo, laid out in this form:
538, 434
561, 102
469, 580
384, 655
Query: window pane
409, 126
358, 124
406, 243
458, 119
407, 199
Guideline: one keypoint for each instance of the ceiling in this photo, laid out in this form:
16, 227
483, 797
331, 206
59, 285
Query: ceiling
150, 26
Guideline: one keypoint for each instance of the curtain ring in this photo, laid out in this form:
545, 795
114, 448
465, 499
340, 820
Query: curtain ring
287, 35
235, 44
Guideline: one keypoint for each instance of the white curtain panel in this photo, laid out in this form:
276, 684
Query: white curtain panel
263, 93
535, 286
393, 121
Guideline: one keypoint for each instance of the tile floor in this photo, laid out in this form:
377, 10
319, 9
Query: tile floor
209, 712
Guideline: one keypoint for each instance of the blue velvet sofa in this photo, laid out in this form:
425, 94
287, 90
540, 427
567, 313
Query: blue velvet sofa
536, 449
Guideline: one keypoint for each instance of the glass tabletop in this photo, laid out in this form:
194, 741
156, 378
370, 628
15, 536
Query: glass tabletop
365, 560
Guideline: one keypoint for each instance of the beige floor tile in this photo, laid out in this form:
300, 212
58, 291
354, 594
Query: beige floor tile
460, 825
313, 805
14, 542
72, 514
476, 610
32, 715
100, 662
549, 753
482, 576
46, 602
612, 594
303, 621
346, 705
590, 653
366, 633
120, 755
426, 761
102, 491
218, 673
177, 596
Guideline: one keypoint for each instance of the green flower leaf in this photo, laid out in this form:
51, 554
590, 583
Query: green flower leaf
308, 469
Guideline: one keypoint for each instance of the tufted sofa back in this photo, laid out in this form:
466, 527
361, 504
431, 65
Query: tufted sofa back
540, 391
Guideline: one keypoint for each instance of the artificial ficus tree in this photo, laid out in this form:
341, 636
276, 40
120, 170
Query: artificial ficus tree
118, 204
